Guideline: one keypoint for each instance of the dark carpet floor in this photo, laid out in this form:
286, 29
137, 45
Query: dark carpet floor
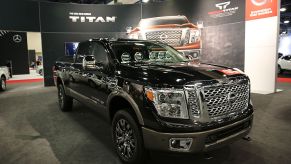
34, 131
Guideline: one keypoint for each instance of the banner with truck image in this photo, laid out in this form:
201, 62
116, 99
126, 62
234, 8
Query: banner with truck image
211, 31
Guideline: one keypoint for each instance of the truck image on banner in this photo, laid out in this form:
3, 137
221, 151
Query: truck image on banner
176, 31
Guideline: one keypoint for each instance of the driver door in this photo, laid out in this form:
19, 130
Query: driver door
95, 76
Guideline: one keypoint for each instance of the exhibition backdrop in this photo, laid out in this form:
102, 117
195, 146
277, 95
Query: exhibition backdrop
223, 38
222, 35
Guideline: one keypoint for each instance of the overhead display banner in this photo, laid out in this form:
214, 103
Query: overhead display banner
57, 17
258, 9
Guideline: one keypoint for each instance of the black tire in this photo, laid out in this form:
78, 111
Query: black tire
65, 102
2, 83
280, 69
129, 147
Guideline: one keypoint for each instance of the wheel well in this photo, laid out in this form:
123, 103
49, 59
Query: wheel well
119, 103
4, 77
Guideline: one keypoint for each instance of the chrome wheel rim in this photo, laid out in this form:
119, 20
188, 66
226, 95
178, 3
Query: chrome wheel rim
125, 140
61, 97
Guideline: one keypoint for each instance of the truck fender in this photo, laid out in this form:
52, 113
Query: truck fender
129, 99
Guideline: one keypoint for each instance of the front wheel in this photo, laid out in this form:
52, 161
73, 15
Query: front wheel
127, 138
2, 84
65, 102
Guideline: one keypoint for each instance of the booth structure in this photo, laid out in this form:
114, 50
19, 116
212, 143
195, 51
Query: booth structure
235, 33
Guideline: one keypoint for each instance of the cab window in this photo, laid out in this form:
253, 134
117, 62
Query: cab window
99, 52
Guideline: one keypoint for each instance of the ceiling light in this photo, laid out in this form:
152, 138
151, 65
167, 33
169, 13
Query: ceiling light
286, 21
283, 9
145, 1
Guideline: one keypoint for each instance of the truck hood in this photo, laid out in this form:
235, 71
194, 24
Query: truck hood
172, 75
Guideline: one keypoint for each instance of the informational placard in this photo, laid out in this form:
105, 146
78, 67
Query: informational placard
258, 9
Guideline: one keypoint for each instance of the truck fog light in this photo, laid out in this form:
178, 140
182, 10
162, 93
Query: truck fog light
180, 144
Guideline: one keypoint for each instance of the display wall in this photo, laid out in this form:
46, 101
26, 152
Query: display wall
222, 34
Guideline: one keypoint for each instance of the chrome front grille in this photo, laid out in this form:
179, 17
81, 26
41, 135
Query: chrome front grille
219, 100
170, 37
192, 102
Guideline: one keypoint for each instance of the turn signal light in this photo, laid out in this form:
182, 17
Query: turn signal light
150, 95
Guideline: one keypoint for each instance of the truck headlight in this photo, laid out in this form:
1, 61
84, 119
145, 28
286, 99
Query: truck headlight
168, 102
194, 36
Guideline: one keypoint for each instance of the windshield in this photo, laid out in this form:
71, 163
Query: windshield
146, 52
162, 21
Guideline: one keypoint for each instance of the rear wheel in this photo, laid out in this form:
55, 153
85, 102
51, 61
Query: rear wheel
65, 102
127, 138
2, 83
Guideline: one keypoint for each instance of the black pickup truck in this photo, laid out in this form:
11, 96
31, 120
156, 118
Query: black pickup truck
156, 98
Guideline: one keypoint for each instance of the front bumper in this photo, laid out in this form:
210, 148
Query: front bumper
201, 141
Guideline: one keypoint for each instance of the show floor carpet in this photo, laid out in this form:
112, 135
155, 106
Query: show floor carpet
34, 131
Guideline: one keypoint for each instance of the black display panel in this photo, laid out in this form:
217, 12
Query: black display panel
19, 16
13, 47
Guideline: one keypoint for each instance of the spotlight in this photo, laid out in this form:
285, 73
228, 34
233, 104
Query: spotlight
286, 21
283, 9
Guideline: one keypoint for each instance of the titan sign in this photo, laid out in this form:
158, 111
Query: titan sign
87, 17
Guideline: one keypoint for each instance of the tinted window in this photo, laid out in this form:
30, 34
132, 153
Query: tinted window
99, 51
83, 48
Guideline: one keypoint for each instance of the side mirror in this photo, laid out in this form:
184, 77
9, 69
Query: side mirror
89, 63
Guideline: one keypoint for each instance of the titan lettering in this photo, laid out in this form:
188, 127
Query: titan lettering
92, 19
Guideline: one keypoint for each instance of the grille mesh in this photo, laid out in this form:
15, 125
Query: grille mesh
193, 103
221, 99
172, 38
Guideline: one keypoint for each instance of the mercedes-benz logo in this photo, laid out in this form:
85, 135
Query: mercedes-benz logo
17, 38
163, 37
231, 97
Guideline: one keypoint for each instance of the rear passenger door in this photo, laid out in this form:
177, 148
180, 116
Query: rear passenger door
76, 69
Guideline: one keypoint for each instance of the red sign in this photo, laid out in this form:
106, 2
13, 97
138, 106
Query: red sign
258, 9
